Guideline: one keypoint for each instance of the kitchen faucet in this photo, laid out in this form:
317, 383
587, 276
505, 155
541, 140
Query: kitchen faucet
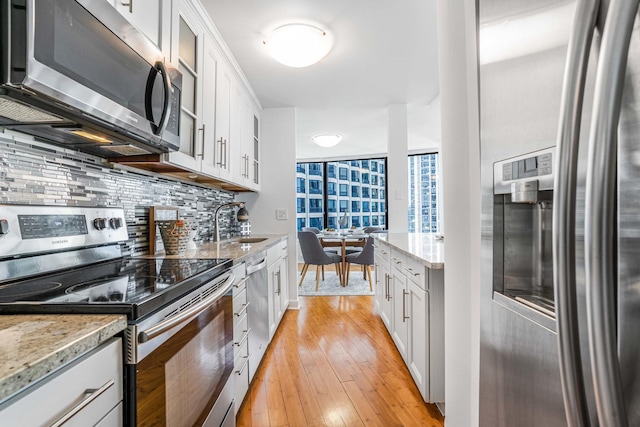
242, 216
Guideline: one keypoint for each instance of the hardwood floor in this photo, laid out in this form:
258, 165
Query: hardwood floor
332, 363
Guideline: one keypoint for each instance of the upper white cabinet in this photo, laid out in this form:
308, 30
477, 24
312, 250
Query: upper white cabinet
219, 120
152, 17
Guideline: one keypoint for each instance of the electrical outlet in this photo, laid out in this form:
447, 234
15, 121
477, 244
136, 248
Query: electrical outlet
282, 214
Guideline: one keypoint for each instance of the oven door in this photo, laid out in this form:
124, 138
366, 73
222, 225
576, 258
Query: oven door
181, 380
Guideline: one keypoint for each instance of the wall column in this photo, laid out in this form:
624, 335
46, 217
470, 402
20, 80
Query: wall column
397, 169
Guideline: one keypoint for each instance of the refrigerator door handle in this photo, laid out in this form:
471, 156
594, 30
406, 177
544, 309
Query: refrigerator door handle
599, 213
564, 202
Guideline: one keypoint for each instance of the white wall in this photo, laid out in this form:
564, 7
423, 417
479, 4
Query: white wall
397, 169
461, 193
278, 184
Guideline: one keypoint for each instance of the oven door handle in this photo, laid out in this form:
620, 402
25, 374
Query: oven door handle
172, 322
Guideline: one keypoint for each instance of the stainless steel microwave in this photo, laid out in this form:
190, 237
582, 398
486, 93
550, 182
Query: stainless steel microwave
78, 74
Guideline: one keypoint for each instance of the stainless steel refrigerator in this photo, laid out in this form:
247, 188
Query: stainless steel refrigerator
560, 152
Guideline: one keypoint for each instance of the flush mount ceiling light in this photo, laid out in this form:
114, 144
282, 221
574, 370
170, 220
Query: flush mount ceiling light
298, 45
326, 140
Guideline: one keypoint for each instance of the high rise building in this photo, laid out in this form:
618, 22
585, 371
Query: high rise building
330, 190
424, 211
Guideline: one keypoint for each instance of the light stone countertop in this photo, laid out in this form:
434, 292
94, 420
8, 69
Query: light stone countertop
421, 246
32, 345
230, 248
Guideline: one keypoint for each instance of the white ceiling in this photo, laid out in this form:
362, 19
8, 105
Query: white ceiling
385, 52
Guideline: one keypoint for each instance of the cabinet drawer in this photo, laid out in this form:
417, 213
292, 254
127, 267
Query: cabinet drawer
239, 306
398, 259
383, 250
94, 380
241, 378
240, 334
240, 283
416, 272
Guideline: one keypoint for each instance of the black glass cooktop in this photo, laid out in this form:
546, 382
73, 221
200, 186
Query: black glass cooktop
132, 286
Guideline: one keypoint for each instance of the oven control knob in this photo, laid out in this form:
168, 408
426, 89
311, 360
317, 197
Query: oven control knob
115, 223
100, 223
4, 227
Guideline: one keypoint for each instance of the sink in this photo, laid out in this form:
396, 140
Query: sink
251, 239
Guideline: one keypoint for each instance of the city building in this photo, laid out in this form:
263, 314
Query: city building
341, 194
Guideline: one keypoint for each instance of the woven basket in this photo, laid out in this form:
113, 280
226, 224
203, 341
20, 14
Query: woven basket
175, 235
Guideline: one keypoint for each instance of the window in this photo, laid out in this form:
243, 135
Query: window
315, 186
315, 205
315, 169
324, 200
331, 171
331, 188
424, 193
316, 222
301, 223
300, 187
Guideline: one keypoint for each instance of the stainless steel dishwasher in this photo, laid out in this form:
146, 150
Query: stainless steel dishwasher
257, 311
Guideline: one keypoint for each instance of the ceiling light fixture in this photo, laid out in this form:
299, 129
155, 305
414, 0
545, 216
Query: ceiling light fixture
298, 45
326, 140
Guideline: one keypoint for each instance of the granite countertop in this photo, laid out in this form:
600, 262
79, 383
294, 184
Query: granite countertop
31, 346
422, 246
230, 248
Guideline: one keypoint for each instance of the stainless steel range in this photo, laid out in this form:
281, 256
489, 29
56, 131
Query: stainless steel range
70, 260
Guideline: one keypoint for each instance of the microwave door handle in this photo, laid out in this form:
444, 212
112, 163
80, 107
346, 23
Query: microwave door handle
564, 202
599, 213
158, 68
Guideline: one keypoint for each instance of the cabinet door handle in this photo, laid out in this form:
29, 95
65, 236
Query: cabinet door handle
219, 162
240, 283
243, 339
243, 309
404, 305
203, 141
92, 394
244, 365
130, 4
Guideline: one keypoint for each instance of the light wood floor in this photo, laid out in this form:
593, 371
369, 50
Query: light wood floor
332, 363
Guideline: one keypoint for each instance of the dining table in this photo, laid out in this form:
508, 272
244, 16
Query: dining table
342, 240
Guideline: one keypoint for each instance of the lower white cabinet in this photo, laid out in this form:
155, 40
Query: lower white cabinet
278, 284
410, 301
85, 392
241, 335
418, 335
400, 320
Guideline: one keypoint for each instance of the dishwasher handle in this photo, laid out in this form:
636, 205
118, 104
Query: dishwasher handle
257, 267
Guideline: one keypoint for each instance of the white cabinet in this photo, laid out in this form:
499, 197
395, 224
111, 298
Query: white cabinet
410, 300
85, 392
418, 336
399, 322
151, 17
277, 284
241, 335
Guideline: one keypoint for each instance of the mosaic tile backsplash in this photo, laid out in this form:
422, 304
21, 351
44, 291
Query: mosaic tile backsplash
36, 173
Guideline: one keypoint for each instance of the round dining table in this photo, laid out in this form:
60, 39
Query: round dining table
342, 240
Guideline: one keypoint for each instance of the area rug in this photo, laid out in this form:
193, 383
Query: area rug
331, 284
